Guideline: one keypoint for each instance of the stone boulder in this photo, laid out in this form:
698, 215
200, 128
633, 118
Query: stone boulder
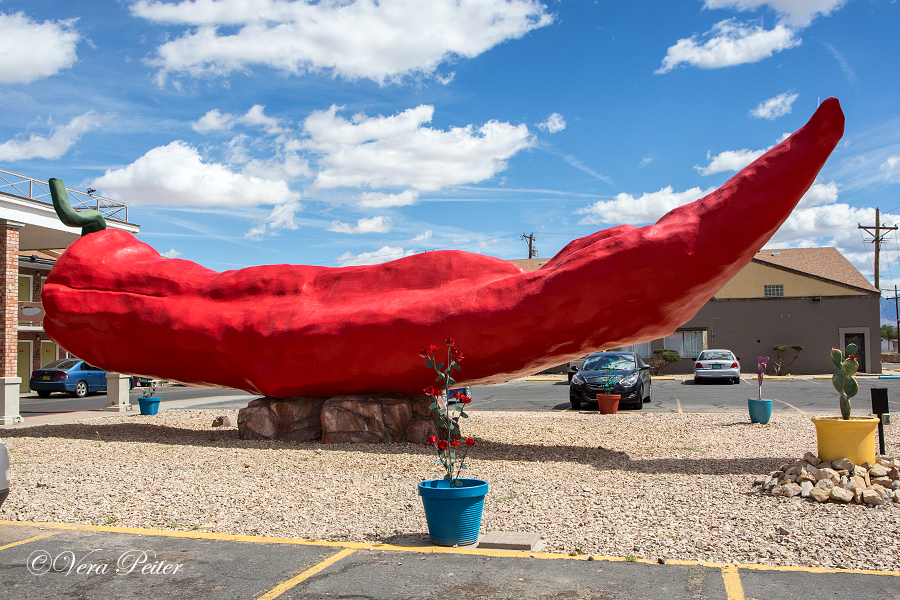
380, 418
289, 419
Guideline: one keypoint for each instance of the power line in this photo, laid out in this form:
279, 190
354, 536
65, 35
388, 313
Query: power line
877, 238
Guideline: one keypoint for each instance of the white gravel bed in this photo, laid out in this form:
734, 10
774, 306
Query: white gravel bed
647, 485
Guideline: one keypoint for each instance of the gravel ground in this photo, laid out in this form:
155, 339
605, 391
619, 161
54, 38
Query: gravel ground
673, 486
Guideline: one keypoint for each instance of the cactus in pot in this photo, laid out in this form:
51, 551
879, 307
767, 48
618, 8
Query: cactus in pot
843, 379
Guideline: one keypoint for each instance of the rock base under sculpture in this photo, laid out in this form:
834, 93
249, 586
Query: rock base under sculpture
341, 419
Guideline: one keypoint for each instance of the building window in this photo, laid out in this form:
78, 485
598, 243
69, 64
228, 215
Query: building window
689, 344
772, 291
642, 349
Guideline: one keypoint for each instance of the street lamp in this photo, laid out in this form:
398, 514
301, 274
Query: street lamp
711, 334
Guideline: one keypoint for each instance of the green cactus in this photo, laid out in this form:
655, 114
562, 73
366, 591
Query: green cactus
843, 379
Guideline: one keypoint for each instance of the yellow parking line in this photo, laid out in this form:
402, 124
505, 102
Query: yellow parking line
733, 588
283, 587
679, 405
352, 546
20, 542
792, 406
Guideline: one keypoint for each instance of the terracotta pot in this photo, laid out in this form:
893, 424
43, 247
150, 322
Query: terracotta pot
853, 439
608, 404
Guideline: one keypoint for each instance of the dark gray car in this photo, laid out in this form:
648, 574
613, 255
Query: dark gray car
623, 373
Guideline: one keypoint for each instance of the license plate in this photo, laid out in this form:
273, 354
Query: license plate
46, 378
717, 366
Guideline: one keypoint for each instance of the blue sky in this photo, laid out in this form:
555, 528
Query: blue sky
247, 132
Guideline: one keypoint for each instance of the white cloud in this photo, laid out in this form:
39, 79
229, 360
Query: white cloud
775, 107
891, 168
625, 208
287, 167
173, 253
281, 217
379, 40
644, 162
53, 147
425, 235
815, 225
379, 200
554, 123
366, 225
819, 194
215, 120
398, 151
381, 255
798, 13
729, 160
33, 50
176, 175
729, 43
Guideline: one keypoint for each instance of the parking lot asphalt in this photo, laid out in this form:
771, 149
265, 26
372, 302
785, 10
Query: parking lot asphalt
57, 561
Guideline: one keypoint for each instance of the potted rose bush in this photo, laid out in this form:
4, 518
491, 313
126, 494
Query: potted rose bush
453, 505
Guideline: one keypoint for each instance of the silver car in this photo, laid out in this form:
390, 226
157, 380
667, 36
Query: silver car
717, 364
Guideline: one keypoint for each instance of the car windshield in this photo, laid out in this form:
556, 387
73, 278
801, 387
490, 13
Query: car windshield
716, 355
63, 365
618, 362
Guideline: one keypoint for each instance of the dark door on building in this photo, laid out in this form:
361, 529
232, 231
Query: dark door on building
860, 340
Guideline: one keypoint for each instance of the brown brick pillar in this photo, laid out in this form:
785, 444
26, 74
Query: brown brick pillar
9, 333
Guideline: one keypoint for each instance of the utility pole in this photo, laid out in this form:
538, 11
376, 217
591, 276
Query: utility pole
877, 237
532, 251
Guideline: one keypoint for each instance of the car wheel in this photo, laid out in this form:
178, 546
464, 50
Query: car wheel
697, 381
737, 380
639, 403
649, 392
81, 389
44, 393
576, 404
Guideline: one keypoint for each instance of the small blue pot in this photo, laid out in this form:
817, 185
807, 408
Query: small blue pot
760, 410
149, 406
453, 513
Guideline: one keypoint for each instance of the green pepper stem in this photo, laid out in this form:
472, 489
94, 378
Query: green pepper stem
90, 221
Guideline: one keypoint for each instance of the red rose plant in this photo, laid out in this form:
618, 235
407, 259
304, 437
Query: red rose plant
447, 449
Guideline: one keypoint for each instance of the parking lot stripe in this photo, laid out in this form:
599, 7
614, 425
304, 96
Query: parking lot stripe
257, 539
34, 539
733, 588
283, 587
677, 401
792, 406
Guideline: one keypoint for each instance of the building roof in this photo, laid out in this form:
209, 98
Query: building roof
826, 263
822, 263
530, 264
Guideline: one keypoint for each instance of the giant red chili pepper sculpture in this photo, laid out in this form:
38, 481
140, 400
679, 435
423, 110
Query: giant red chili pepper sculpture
285, 330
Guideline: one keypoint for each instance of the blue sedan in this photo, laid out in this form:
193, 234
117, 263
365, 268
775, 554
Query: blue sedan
70, 375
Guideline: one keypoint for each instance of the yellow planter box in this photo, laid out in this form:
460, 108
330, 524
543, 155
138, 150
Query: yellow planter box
853, 439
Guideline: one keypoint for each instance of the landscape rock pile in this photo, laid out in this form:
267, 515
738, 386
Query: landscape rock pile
837, 481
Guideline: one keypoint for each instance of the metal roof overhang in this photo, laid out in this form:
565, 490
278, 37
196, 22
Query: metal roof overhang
41, 228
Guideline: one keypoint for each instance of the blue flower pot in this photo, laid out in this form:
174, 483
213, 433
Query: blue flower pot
149, 406
760, 410
453, 513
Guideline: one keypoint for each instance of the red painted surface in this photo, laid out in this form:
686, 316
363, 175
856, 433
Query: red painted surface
285, 330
